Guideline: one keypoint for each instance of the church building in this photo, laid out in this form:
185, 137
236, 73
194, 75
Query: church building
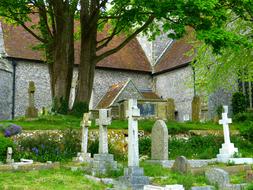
158, 70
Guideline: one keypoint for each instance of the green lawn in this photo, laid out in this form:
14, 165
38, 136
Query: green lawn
59, 179
61, 122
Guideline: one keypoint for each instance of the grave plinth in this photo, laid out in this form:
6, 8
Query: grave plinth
103, 162
133, 175
228, 149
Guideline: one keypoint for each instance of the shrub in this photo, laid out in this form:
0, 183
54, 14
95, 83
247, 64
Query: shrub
242, 117
219, 110
60, 106
4, 144
54, 147
145, 146
238, 103
79, 108
12, 130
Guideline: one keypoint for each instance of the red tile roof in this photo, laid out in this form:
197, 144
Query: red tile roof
150, 95
111, 94
19, 43
175, 56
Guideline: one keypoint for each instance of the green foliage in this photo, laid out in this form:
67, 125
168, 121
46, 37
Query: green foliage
145, 146
60, 106
54, 147
243, 117
197, 147
79, 108
247, 131
4, 144
238, 103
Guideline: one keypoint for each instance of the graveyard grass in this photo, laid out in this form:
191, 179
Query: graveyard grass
58, 179
61, 122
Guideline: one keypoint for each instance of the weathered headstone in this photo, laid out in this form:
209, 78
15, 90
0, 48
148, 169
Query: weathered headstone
181, 165
170, 109
228, 149
31, 111
103, 162
217, 176
84, 156
133, 175
196, 108
9, 159
249, 175
159, 137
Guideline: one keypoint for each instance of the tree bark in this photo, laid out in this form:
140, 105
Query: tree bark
61, 69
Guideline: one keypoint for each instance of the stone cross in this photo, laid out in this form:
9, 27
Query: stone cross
103, 121
9, 159
228, 149
85, 123
133, 145
225, 121
31, 91
159, 141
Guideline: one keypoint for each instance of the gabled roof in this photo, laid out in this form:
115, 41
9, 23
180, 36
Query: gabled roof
18, 44
175, 55
111, 95
115, 91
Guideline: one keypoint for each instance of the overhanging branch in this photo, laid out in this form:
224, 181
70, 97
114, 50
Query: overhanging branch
125, 42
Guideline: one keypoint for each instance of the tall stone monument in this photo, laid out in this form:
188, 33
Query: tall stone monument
103, 161
31, 111
133, 175
228, 149
84, 156
159, 141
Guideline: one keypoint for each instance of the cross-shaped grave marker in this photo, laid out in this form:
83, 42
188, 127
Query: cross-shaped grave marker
228, 149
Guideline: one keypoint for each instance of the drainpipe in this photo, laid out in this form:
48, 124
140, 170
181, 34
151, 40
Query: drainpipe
14, 64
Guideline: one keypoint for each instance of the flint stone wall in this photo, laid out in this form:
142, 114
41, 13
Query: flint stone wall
104, 78
175, 84
6, 81
32, 71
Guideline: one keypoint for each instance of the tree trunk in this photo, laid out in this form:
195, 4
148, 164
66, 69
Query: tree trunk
61, 69
87, 64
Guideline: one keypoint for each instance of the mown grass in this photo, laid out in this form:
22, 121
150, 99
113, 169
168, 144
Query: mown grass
60, 122
59, 179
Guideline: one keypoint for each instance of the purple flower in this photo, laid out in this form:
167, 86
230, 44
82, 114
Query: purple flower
7, 133
35, 150
12, 130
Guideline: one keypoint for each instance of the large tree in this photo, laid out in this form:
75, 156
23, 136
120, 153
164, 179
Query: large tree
132, 17
55, 31
128, 17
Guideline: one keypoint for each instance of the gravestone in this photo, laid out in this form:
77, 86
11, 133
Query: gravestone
170, 109
9, 159
196, 108
84, 156
31, 111
159, 140
103, 162
181, 165
203, 188
228, 149
217, 176
133, 175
